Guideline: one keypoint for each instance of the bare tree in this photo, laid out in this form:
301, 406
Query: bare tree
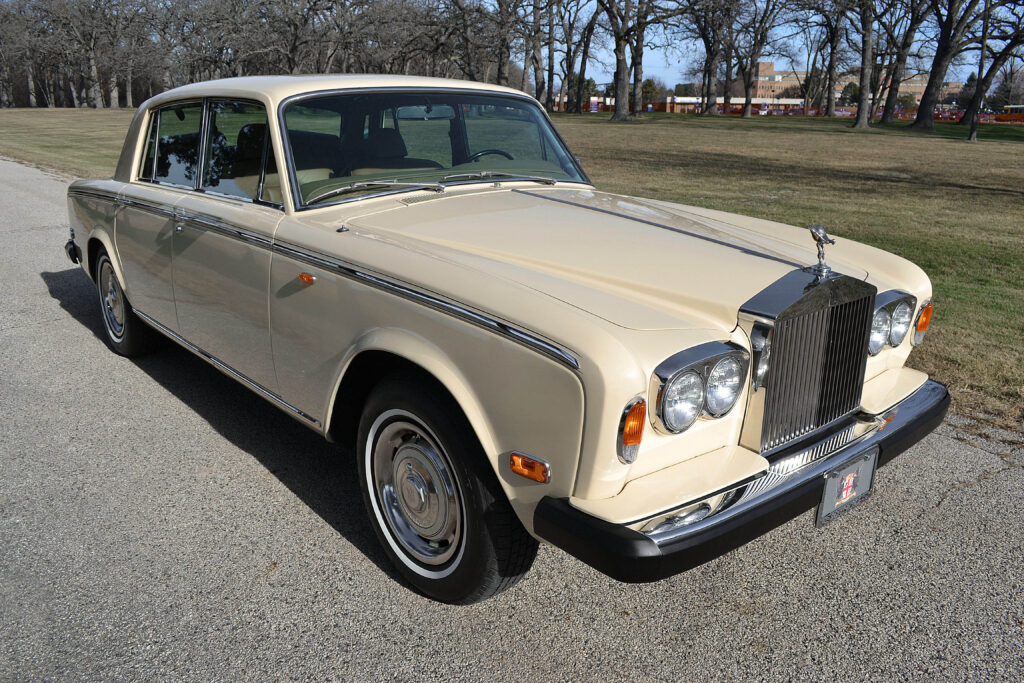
756, 21
1005, 37
953, 19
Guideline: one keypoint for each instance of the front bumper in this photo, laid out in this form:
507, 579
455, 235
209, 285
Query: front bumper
631, 556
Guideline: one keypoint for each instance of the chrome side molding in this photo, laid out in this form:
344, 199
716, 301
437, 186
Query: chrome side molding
227, 369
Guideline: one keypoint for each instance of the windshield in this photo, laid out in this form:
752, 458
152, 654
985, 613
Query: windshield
344, 145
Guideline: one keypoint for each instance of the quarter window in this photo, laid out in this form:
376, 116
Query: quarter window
177, 144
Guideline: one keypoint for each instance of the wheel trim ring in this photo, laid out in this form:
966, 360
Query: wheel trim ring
111, 300
389, 534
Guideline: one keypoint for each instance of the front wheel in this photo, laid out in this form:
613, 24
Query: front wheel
432, 498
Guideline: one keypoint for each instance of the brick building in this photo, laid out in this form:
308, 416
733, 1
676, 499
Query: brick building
771, 83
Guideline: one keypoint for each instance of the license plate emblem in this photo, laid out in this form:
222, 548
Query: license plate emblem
847, 485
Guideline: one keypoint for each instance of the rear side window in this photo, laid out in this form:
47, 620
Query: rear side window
172, 149
237, 147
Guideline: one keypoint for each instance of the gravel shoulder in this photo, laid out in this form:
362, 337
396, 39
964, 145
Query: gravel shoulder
158, 520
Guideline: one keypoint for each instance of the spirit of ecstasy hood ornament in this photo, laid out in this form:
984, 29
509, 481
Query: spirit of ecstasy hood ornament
821, 237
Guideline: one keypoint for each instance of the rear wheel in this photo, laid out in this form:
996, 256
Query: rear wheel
126, 333
433, 499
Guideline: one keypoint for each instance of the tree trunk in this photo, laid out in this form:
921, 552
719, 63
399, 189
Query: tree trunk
709, 107
637, 58
549, 97
128, 99
588, 35
727, 86
95, 95
984, 84
833, 68
621, 81
899, 67
115, 102
867, 61
748, 94
31, 85
925, 119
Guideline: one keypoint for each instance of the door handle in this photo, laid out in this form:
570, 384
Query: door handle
179, 227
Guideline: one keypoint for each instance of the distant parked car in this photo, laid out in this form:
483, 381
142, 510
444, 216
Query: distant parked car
421, 269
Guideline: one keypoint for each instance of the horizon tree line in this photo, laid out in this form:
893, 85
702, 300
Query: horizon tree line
114, 53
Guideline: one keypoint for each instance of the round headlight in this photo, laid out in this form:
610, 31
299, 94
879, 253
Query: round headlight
900, 323
682, 401
879, 331
724, 386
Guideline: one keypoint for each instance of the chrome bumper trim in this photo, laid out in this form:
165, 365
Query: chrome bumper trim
800, 468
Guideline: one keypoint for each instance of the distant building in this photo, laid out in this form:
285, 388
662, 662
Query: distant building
770, 83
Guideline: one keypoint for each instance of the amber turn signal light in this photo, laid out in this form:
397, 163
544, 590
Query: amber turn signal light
308, 278
924, 319
631, 430
531, 468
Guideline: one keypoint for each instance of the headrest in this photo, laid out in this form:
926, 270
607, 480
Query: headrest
387, 143
250, 140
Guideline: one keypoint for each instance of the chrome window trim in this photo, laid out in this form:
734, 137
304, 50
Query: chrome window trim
197, 186
221, 365
292, 99
201, 101
700, 359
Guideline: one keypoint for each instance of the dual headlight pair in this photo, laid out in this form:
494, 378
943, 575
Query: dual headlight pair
705, 380
893, 318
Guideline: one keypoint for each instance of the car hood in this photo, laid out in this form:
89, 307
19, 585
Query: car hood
639, 264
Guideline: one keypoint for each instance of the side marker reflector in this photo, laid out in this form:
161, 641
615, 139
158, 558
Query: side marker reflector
531, 468
308, 278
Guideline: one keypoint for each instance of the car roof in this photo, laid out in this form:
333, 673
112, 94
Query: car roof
274, 89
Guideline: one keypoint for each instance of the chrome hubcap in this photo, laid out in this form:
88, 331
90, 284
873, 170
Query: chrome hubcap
113, 300
417, 490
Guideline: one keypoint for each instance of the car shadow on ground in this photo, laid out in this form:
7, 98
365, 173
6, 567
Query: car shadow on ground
323, 475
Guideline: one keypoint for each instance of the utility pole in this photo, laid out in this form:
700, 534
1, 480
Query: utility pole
973, 136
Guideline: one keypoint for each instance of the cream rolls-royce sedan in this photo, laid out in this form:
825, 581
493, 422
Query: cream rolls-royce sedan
419, 269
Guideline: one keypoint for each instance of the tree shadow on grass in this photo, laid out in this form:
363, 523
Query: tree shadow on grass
724, 165
323, 475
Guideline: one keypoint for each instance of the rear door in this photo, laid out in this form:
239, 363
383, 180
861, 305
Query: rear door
145, 222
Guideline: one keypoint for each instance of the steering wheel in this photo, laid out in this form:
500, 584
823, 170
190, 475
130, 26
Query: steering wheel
485, 152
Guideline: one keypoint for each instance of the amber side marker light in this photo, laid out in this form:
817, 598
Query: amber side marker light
631, 430
531, 468
308, 278
924, 319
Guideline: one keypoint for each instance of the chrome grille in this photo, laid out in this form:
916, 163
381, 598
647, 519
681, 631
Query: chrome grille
816, 369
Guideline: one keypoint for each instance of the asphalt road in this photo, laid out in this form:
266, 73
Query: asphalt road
159, 521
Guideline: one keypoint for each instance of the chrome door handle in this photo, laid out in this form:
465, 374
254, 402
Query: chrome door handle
179, 227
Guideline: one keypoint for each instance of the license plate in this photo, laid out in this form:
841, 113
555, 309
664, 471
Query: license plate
847, 485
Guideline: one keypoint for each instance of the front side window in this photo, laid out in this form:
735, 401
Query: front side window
341, 143
176, 149
237, 147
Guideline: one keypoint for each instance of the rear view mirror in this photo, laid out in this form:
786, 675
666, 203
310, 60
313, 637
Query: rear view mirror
426, 112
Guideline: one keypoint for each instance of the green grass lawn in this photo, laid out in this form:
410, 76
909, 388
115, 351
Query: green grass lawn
955, 208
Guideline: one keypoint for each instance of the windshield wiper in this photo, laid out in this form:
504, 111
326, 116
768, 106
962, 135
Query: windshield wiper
483, 175
352, 187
